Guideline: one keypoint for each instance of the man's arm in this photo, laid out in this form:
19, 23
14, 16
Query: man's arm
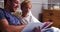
10, 28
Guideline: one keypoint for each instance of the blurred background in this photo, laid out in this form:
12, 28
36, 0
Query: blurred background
44, 10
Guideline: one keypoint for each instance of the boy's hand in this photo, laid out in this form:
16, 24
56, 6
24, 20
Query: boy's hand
37, 29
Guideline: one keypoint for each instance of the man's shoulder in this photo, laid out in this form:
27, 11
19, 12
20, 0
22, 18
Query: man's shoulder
1, 10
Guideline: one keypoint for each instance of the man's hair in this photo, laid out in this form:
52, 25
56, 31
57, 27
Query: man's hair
5, 1
24, 3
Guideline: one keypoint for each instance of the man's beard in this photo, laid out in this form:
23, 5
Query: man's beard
12, 10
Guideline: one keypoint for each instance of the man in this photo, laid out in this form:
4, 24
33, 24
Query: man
9, 22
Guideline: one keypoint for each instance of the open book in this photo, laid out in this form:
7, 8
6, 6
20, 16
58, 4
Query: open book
31, 26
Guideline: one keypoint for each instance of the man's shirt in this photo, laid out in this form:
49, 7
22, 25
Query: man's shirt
12, 20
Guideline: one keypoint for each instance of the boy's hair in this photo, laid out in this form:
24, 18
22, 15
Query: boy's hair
24, 3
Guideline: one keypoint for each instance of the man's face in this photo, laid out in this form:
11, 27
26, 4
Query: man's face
14, 5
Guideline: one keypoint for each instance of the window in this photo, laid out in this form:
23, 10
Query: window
1, 3
53, 4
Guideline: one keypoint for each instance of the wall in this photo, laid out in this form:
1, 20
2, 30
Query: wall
1, 3
56, 2
36, 7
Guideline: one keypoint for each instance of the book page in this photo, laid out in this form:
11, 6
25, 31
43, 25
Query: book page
31, 26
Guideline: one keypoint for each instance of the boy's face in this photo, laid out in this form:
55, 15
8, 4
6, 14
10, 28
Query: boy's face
26, 8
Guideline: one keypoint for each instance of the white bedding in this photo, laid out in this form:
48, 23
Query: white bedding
56, 29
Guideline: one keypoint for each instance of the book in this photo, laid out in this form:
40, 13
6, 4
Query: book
29, 27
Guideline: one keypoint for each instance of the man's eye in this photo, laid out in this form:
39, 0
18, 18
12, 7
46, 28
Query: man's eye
16, 2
